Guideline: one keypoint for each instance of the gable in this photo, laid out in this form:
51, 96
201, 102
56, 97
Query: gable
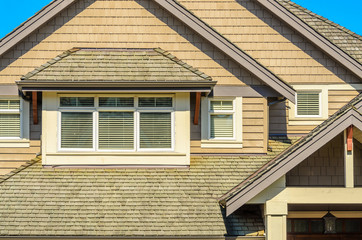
270, 41
120, 24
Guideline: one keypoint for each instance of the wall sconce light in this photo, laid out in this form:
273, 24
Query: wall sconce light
329, 223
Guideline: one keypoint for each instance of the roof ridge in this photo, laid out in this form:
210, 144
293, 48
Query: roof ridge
182, 63
19, 169
324, 19
291, 148
49, 63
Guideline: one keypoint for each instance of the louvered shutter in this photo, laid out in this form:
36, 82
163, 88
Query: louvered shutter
221, 126
308, 104
10, 125
76, 130
155, 130
116, 130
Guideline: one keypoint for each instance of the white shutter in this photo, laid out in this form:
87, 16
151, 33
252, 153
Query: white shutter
155, 130
77, 130
221, 126
308, 104
10, 125
116, 130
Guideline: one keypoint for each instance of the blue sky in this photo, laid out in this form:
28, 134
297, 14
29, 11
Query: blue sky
344, 12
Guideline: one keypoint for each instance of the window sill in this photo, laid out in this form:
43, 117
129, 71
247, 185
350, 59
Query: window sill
116, 154
14, 143
221, 144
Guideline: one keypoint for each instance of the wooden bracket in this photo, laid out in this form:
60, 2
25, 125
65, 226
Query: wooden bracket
35, 107
197, 108
350, 138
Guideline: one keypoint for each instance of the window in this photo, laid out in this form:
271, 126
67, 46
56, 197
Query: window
10, 115
116, 123
221, 122
308, 104
221, 119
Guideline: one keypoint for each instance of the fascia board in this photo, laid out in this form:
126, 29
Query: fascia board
228, 48
315, 37
350, 118
33, 23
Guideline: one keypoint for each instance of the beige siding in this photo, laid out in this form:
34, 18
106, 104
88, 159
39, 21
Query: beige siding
337, 99
270, 41
119, 24
254, 127
279, 114
322, 168
12, 158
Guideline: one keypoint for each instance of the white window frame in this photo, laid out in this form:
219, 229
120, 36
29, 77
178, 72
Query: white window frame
220, 112
136, 111
320, 104
13, 111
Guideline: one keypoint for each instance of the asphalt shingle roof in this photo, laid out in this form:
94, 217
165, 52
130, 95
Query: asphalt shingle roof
129, 202
116, 65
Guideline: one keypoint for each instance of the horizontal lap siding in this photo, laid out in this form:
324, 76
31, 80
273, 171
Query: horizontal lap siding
120, 24
12, 158
337, 99
270, 41
254, 127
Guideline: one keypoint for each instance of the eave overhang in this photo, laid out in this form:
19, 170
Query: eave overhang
349, 115
101, 86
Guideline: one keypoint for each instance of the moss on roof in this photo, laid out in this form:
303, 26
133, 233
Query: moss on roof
38, 201
116, 65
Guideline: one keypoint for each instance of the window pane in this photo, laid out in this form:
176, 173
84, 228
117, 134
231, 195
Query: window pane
116, 130
221, 126
300, 226
77, 102
9, 125
221, 105
9, 104
155, 130
155, 102
116, 102
308, 103
77, 130
352, 225
317, 225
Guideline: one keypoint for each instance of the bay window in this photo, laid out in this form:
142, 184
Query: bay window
110, 123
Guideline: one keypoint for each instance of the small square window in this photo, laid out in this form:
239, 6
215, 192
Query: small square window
10, 115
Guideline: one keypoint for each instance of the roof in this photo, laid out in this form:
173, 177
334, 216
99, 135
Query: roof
350, 114
128, 66
40, 201
342, 37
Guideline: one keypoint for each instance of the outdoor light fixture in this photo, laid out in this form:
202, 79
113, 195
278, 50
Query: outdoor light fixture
329, 223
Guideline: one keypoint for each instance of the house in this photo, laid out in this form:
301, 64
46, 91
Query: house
165, 119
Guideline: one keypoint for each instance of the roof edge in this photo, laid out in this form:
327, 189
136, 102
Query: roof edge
314, 36
348, 115
227, 47
33, 23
